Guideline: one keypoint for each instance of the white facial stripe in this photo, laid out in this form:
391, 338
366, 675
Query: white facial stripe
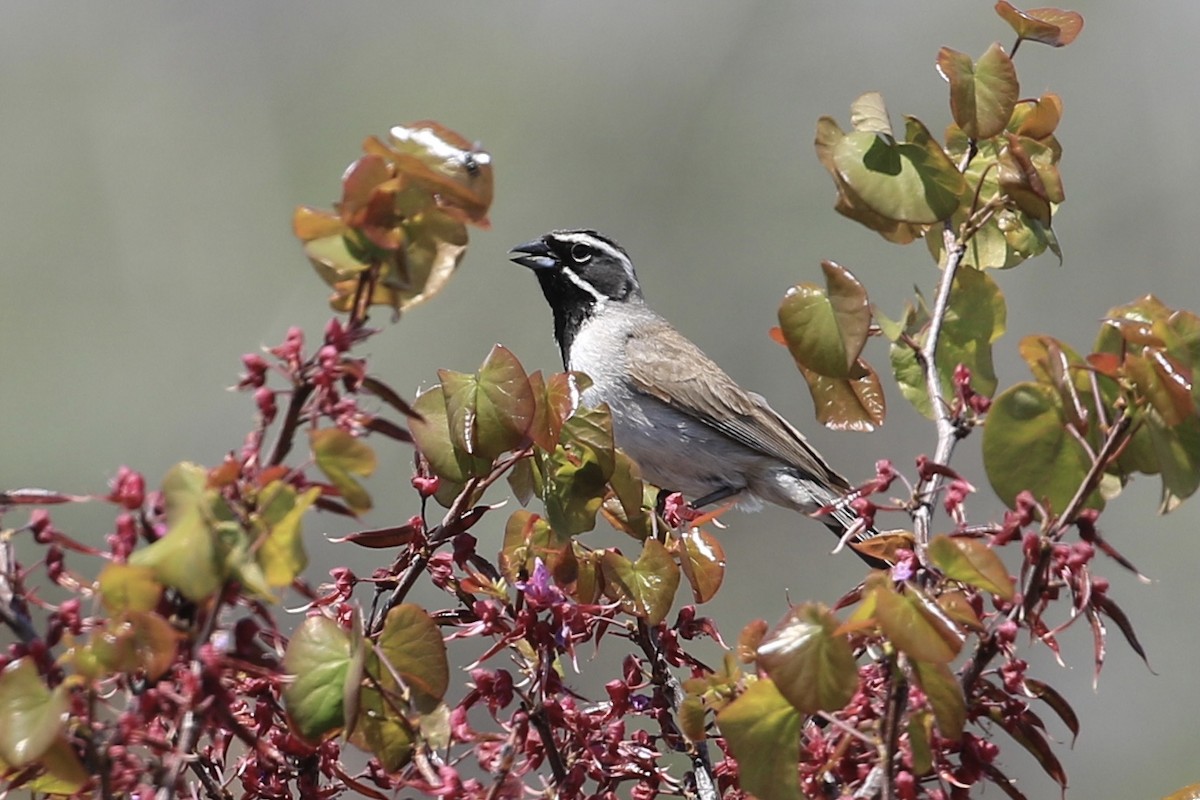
601, 245
584, 285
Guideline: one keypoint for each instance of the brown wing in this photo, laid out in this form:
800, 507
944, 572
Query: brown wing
664, 364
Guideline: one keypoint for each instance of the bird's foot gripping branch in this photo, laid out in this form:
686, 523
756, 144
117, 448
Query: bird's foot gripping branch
158, 662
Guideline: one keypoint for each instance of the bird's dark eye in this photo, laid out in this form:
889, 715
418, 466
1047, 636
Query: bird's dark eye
581, 253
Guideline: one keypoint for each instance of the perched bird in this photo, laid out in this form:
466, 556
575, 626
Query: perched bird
686, 423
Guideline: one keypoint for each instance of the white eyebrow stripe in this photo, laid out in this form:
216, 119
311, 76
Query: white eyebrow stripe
584, 285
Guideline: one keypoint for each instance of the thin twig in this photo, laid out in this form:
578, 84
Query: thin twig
669, 685
291, 421
896, 702
12, 607
947, 433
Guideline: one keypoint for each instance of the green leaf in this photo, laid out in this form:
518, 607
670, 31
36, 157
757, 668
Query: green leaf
341, 456
432, 436
490, 412
186, 558
413, 645
1178, 452
573, 488
763, 731
982, 94
1026, 445
380, 731
973, 562
849, 204
281, 553
31, 715
62, 773
703, 563
920, 730
526, 537
825, 330
125, 587
808, 662
912, 627
137, 640
912, 182
318, 659
646, 587
945, 697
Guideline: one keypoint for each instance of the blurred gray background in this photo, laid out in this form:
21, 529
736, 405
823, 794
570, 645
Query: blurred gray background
153, 153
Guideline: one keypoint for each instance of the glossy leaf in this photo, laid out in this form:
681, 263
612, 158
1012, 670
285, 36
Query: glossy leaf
958, 608
703, 563
458, 172
557, 397
1050, 696
912, 627
413, 645
982, 94
432, 436
31, 715
528, 537
318, 657
341, 457
1026, 446
847, 404
646, 587
1178, 452
1027, 733
1037, 118
490, 412
809, 663
573, 488
945, 697
973, 562
1051, 26
627, 510
61, 772
125, 587
762, 730
825, 330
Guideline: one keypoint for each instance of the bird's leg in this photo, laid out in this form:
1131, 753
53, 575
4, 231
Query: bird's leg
715, 497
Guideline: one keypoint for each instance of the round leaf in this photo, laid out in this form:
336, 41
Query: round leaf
491, 411
1026, 445
982, 94
413, 645
318, 658
125, 587
341, 456
646, 587
703, 563
971, 561
945, 697
31, 716
185, 558
912, 628
810, 664
763, 730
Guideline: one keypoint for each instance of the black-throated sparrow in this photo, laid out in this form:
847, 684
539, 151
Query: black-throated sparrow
688, 425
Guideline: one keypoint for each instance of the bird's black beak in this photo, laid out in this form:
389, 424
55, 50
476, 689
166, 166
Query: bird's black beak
535, 255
